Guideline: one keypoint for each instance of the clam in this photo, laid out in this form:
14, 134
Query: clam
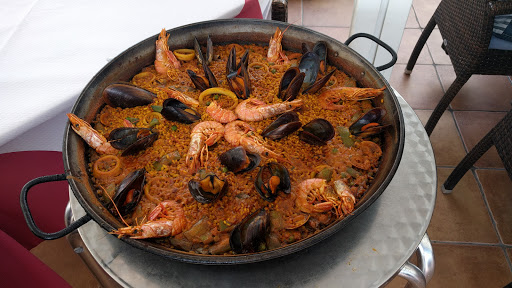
129, 192
368, 124
238, 160
290, 84
237, 75
127, 95
317, 132
132, 140
283, 126
250, 235
272, 178
207, 189
174, 110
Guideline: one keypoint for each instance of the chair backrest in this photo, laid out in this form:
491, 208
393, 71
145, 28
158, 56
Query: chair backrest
467, 28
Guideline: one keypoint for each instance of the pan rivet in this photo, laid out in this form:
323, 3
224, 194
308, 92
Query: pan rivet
363, 73
336, 54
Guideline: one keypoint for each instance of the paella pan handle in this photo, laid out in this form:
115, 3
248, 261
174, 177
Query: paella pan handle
28, 216
378, 41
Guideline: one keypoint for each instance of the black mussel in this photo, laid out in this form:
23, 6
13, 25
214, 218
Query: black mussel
238, 160
237, 75
369, 123
207, 58
272, 178
129, 192
320, 49
126, 95
174, 110
319, 83
283, 126
317, 132
207, 189
306, 47
132, 140
198, 81
290, 84
249, 236
310, 65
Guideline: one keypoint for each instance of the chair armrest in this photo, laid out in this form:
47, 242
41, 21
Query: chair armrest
500, 7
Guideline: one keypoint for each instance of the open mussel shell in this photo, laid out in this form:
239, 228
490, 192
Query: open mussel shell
175, 110
198, 81
129, 192
272, 178
320, 49
283, 126
309, 65
290, 84
132, 140
369, 123
238, 160
127, 95
317, 132
319, 84
209, 51
237, 75
208, 189
250, 235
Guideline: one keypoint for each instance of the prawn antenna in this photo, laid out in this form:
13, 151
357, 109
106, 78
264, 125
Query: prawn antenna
115, 206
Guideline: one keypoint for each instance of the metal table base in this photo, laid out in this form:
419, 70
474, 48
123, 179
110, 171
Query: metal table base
368, 252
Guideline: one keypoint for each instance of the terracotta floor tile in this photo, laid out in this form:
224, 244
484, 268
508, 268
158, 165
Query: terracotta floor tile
340, 34
445, 139
481, 92
434, 46
59, 256
469, 266
336, 13
497, 188
473, 126
462, 215
424, 10
421, 89
411, 20
295, 12
409, 39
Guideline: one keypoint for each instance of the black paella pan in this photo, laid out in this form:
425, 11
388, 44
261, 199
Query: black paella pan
241, 31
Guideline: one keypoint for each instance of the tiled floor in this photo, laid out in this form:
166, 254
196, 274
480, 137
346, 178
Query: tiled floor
471, 229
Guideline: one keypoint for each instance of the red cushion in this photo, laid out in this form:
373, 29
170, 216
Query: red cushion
47, 201
251, 9
20, 268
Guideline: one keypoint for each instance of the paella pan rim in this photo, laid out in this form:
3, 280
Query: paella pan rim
88, 105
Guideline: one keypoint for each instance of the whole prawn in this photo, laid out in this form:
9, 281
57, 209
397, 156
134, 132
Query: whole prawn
164, 59
239, 133
310, 191
347, 199
329, 98
254, 109
166, 219
220, 114
275, 49
92, 137
203, 135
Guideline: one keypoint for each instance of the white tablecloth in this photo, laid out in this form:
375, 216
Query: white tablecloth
50, 49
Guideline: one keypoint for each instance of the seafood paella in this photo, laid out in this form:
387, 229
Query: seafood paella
232, 149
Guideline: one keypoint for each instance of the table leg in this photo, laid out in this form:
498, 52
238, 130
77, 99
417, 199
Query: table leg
79, 247
419, 276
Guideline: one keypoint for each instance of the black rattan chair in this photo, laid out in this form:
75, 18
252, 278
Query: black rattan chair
466, 27
499, 136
